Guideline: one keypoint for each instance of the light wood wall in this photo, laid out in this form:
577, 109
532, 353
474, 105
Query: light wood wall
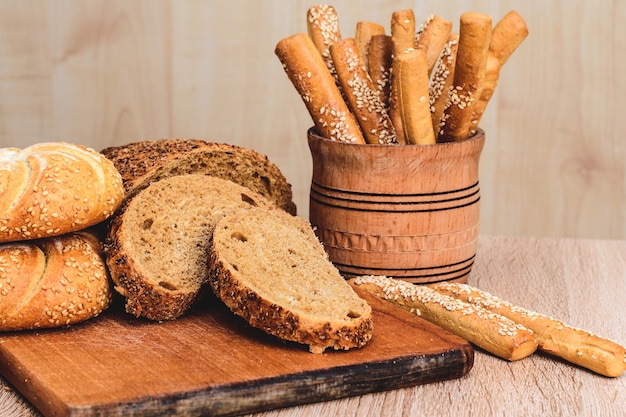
108, 72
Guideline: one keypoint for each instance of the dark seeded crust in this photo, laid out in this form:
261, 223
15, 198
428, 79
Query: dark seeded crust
142, 163
276, 320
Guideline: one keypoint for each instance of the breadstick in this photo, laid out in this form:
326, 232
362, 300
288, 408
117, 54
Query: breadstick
492, 332
403, 39
577, 346
433, 35
364, 32
361, 93
413, 97
323, 28
312, 79
379, 64
507, 35
441, 81
469, 72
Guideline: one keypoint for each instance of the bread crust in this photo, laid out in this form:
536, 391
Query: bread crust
323, 29
490, 331
361, 94
52, 282
577, 346
471, 61
317, 88
53, 188
144, 162
413, 97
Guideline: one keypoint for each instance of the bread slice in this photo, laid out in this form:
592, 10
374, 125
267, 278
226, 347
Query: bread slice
269, 268
156, 246
142, 163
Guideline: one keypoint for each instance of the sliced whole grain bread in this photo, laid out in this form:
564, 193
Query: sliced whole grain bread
156, 247
269, 268
141, 163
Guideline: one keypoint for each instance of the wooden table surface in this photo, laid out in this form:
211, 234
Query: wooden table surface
582, 282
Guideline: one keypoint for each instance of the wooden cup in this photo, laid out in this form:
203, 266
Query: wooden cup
405, 211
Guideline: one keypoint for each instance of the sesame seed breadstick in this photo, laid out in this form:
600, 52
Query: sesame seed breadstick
364, 32
413, 97
379, 65
507, 35
323, 28
433, 35
317, 88
577, 346
441, 80
469, 73
490, 331
361, 93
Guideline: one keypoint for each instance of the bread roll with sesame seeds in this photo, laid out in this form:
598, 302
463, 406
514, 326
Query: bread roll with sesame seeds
306, 69
413, 97
52, 282
361, 94
53, 188
441, 80
432, 35
364, 32
469, 73
490, 331
507, 35
577, 346
379, 65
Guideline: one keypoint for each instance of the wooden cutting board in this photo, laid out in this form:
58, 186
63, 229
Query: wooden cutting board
212, 363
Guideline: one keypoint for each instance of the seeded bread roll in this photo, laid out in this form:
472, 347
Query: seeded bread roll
469, 73
379, 65
323, 28
270, 269
361, 93
413, 97
364, 32
432, 35
142, 163
308, 73
577, 346
52, 282
490, 331
156, 247
507, 35
441, 81
49, 189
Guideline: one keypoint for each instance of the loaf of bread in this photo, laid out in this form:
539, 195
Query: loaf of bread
52, 282
365, 31
490, 331
432, 35
157, 243
269, 268
379, 60
53, 188
577, 346
141, 163
441, 79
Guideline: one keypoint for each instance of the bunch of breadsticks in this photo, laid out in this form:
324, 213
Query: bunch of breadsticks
415, 85
508, 331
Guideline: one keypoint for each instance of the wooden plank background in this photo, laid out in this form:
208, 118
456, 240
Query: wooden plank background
108, 72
